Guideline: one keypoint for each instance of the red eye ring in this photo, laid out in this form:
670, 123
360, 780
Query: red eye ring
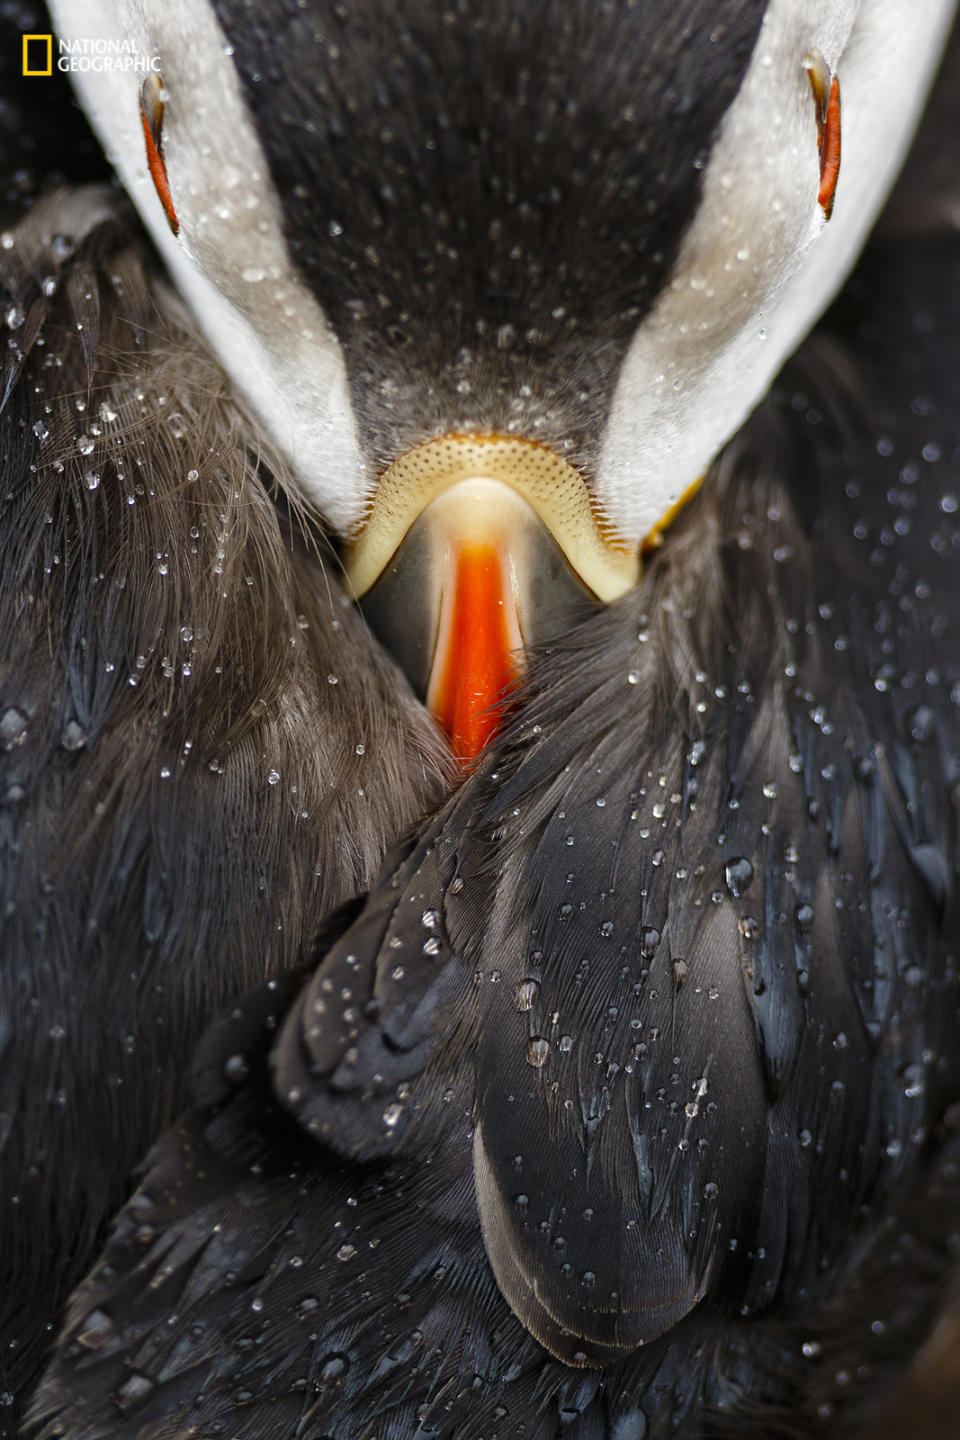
830, 150
826, 93
151, 115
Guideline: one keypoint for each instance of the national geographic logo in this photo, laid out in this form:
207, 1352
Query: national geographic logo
79, 54
38, 54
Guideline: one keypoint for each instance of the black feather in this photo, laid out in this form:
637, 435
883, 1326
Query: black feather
521, 149
707, 881
202, 750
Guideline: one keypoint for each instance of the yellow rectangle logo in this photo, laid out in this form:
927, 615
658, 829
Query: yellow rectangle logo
42, 45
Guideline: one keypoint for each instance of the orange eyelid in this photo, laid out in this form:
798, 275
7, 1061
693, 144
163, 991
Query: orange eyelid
830, 151
158, 170
826, 93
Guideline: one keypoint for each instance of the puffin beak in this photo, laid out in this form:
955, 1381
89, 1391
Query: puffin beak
476, 547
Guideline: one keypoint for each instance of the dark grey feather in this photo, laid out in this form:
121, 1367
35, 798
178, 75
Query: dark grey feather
519, 149
702, 850
202, 749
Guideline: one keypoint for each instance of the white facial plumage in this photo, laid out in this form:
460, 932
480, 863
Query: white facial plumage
755, 269
760, 263
230, 258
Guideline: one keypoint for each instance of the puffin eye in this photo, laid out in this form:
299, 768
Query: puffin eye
151, 114
826, 93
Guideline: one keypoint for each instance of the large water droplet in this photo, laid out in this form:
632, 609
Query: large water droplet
739, 874
649, 941
13, 728
538, 1051
333, 1368
804, 918
526, 994
74, 736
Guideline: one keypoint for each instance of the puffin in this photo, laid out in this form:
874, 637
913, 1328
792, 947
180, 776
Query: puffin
625, 1102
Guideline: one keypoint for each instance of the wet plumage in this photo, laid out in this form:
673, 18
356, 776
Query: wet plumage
182, 713
625, 1105
681, 951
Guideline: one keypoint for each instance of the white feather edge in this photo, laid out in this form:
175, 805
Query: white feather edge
696, 370
270, 334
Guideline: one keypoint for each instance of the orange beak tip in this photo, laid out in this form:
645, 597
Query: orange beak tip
473, 664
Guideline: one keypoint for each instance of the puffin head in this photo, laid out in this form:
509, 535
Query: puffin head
500, 279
